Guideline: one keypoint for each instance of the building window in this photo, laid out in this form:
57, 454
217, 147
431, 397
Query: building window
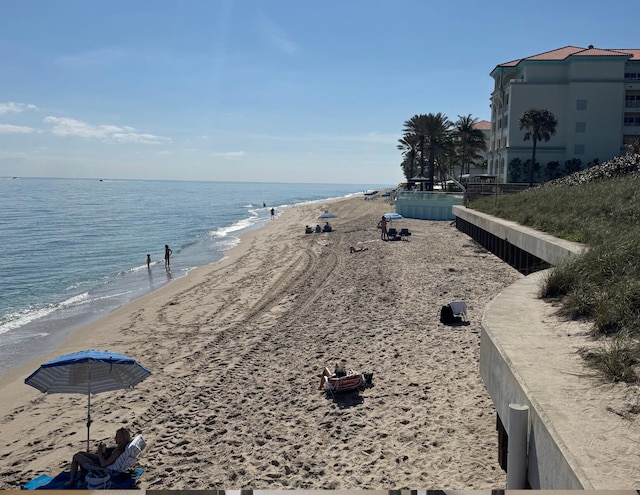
581, 127
578, 149
632, 121
632, 76
581, 104
632, 101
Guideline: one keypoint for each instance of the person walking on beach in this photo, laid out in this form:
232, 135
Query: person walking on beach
167, 255
382, 225
273, 212
148, 261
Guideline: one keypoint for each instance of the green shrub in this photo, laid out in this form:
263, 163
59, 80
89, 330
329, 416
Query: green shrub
616, 361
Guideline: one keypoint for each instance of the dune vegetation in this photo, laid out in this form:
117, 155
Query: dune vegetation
600, 207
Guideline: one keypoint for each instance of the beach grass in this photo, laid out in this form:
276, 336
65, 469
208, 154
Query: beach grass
600, 207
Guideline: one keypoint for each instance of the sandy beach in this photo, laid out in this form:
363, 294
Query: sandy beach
237, 347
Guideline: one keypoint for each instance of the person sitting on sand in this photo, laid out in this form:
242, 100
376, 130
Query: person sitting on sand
357, 250
327, 227
105, 457
339, 370
308, 230
318, 229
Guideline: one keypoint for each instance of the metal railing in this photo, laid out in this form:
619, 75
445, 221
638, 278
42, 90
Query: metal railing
476, 190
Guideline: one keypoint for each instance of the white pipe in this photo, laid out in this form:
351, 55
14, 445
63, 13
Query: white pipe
517, 447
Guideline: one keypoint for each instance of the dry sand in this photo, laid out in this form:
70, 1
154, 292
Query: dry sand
236, 348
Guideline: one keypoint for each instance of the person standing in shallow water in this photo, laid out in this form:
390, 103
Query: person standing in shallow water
273, 212
167, 255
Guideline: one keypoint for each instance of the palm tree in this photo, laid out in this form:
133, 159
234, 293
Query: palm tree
437, 135
540, 125
469, 142
408, 144
415, 131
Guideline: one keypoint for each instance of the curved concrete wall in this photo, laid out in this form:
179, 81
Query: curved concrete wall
542, 245
528, 357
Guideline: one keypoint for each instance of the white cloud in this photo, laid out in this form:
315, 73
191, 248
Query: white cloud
15, 107
90, 58
15, 129
64, 126
231, 155
276, 36
371, 137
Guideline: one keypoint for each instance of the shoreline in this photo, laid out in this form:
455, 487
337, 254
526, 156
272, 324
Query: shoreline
235, 348
91, 285
89, 322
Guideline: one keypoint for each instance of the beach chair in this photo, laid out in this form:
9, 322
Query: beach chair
122, 468
120, 475
459, 308
392, 234
352, 381
404, 234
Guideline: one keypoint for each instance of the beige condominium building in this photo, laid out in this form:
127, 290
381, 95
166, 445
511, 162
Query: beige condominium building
593, 92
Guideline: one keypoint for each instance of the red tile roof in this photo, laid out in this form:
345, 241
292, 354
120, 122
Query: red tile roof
483, 125
635, 52
576, 51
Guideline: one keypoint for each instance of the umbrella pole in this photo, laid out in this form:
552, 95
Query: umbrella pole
88, 417
88, 403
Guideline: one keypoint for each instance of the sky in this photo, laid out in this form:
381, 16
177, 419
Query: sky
259, 90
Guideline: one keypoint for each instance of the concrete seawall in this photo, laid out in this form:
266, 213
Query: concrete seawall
528, 357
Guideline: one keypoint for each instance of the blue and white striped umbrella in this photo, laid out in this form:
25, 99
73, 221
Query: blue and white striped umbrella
326, 214
87, 372
393, 216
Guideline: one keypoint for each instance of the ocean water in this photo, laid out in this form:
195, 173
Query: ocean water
74, 250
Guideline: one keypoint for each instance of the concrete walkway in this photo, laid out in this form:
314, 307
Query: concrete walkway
582, 433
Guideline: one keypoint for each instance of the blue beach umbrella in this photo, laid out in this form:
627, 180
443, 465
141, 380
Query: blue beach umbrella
393, 216
87, 372
326, 214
